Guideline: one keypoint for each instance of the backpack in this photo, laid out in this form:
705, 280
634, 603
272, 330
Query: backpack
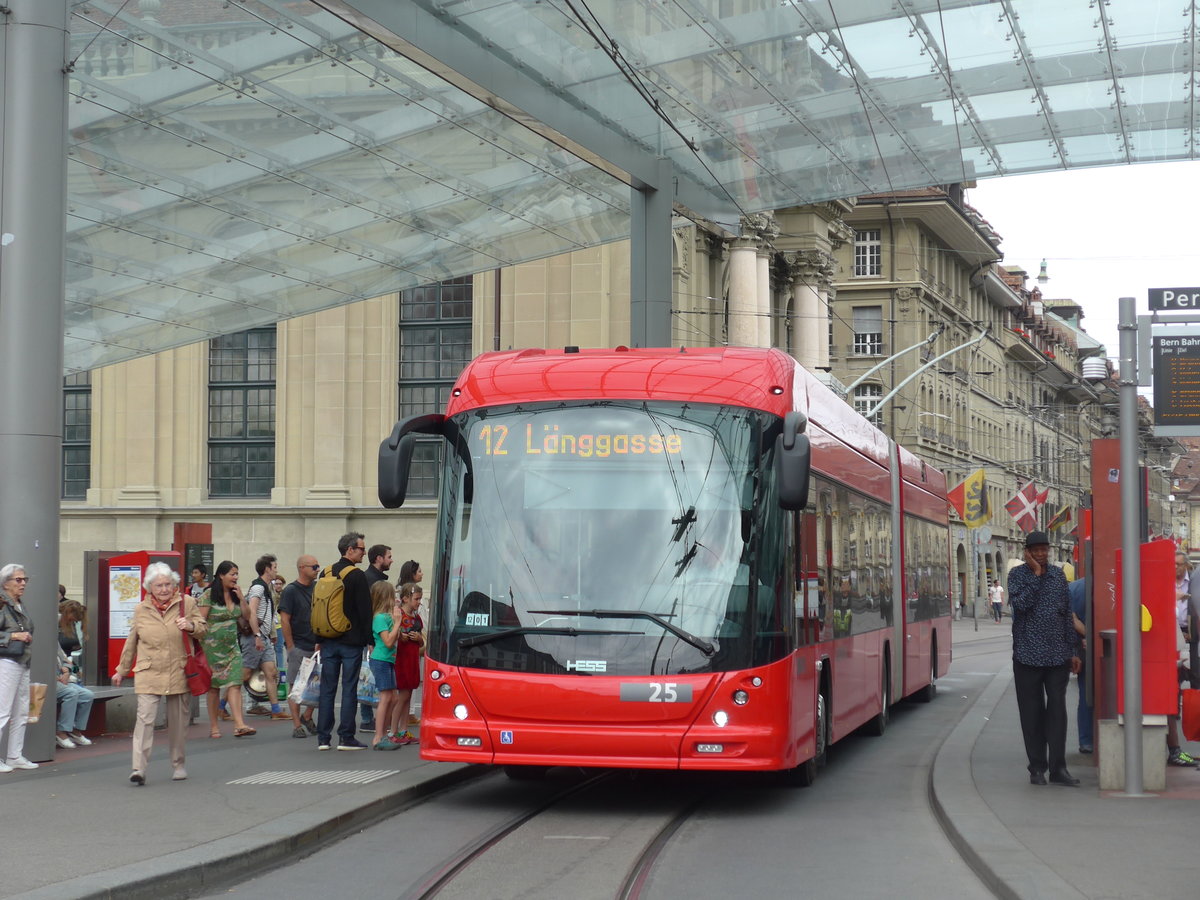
328, 604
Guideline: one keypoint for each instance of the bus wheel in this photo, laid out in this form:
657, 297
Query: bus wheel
526, 773
806, 773
878, 725
929, 691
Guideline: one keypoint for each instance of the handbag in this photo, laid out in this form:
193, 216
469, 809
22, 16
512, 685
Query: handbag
1190, 720
12, 622
196, 668
303, 674
368, 693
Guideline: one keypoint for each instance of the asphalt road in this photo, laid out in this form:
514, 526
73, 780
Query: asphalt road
864, 830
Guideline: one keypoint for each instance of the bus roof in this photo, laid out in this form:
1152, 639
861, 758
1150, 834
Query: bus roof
759, 379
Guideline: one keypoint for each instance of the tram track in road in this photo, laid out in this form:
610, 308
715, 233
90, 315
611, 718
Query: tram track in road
631, 846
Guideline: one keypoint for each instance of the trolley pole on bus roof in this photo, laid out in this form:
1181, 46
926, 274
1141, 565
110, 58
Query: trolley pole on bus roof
1131, 570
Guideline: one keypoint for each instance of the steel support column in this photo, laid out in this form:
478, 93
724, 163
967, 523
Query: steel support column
33, 160
650, 261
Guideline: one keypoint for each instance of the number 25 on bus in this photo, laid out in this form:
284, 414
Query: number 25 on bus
668, 559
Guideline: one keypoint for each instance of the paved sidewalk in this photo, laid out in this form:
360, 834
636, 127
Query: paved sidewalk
1046, 843
78, 829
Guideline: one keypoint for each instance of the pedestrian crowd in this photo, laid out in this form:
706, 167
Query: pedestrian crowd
337, 626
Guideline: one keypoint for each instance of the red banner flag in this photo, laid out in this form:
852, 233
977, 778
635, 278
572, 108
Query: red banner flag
1024, 506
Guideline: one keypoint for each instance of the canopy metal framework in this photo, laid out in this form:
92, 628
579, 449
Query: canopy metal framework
237, 162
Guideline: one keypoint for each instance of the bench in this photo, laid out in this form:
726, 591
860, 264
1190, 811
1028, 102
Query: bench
103, 693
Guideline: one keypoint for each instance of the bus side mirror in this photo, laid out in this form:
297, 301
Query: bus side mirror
793, 460
395, 456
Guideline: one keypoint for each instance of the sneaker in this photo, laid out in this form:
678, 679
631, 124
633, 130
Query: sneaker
351, 744
4, 767
65, 742
22, 763
137, 778
300, 732
406, 737
80, 739
385, 744
323, 746
1177, 758
281, 715
180, 774
309, 724
367, 726
258, 711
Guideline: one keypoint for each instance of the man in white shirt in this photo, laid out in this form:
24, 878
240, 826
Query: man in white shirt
996, 595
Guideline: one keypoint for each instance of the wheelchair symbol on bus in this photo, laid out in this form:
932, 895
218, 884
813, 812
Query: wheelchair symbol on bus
506, 737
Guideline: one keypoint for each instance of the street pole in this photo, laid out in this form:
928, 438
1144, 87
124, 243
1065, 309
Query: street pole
33, 202
1131, 570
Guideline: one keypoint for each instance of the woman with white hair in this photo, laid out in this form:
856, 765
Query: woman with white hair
160, 625
16, 636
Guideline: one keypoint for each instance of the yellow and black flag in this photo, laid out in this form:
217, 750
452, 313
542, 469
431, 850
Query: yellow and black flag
1061, 518
970, 499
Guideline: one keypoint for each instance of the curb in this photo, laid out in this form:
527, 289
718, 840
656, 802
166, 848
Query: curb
213, 865
1004, 864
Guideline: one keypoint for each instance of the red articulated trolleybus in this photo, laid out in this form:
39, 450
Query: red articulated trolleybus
670, 559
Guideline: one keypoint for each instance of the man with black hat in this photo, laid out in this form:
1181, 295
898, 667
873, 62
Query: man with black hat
1045, 653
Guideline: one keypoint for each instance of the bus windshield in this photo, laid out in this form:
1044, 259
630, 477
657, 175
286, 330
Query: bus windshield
600, 538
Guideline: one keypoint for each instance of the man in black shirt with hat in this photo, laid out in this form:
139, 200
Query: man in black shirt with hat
1045, 653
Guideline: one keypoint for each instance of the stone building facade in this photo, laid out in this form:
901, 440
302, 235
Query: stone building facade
278, 455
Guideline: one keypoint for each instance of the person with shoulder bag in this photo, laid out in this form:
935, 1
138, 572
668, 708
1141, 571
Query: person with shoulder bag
16, 637
159, 635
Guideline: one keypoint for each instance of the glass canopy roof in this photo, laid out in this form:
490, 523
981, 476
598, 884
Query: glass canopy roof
237, 162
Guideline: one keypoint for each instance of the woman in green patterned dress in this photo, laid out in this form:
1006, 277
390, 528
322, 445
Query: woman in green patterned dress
221, 647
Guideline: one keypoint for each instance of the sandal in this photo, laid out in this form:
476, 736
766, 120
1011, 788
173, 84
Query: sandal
244, 732
214, 733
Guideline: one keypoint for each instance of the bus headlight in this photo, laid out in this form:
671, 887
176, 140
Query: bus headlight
444, 691
435, 674
741, 698
460, 712
720, 718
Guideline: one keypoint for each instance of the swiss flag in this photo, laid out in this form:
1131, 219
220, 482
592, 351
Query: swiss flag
1024, 506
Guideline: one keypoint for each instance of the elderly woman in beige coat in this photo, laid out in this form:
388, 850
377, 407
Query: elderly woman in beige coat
160, 624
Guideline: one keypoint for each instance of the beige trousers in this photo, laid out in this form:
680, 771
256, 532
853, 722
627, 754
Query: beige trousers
178, 712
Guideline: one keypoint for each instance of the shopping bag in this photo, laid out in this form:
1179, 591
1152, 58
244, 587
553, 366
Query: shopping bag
300, 688
311, 695
37, 696
1191, 714
368, 693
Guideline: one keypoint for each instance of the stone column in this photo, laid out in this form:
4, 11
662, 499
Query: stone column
825, 297
743, 299
766, 315
808, 315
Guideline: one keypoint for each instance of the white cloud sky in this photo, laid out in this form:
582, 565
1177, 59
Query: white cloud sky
1105, 233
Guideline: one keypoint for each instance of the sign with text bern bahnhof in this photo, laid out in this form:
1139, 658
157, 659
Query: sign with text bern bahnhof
1175, 356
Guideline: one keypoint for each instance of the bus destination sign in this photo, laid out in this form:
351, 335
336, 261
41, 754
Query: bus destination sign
1175, 298
1176, 359
500, 440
